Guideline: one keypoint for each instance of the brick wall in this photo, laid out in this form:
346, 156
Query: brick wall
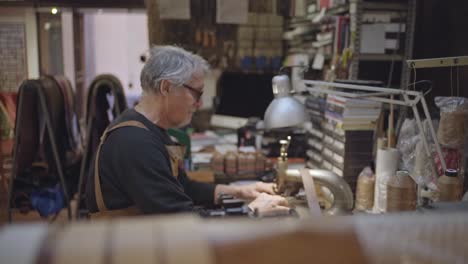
13, 68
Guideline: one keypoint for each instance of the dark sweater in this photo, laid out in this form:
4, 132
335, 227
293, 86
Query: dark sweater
134, 169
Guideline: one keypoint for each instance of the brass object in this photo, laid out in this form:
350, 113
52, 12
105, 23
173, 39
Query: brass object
288, 179
342, 194
282, 164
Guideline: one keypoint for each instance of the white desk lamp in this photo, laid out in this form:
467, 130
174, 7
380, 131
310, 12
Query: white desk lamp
284, 110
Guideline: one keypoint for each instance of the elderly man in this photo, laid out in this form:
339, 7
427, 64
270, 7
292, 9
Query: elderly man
136, 168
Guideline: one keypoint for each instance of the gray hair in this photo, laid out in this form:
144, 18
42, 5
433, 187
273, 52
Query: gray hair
170, 63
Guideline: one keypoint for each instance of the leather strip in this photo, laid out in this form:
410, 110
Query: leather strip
97, 183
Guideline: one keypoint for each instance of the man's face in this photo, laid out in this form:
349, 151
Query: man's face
184, 101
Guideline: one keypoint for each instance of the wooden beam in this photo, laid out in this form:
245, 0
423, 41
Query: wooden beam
155, 29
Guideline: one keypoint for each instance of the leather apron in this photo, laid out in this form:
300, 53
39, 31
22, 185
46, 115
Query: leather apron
176, 156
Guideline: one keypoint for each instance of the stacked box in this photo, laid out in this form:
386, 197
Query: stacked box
347, 152
315, 106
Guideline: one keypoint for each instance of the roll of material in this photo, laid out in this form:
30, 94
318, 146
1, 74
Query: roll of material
386, 167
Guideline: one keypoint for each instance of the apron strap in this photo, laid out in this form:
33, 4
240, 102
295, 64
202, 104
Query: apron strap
97, 183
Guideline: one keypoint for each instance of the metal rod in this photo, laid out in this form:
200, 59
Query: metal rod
434, 135
361, 87
372, 94
424, 138
84, 161
352, 95
87, 154
438, 62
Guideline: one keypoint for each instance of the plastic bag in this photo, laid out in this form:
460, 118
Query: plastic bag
413, 154
407, 140
48, 201
453, 121
422, 165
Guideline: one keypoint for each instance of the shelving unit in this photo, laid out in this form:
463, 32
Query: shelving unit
303, 37
357, 10
348, 63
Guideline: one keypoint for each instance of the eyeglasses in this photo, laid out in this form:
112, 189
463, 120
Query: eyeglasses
195, 92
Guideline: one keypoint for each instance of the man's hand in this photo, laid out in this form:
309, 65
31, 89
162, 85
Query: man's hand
269, 205
253, 191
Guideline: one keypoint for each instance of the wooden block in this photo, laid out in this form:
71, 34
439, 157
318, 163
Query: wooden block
202, 176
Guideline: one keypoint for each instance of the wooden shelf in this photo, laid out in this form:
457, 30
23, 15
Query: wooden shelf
379, 57
384, 6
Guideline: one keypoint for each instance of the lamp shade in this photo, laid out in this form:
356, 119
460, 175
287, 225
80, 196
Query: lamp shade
284, 110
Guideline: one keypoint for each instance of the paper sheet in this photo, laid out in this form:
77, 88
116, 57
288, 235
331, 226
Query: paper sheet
225, 148
179, 9
373, 39
319, 60
309, 188
198, 158
232, 11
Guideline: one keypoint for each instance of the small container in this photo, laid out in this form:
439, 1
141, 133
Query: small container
450, 186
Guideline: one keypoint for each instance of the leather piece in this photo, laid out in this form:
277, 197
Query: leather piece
97, 105
27, 125
56, 108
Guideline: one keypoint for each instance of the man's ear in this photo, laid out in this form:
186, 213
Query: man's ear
164, 87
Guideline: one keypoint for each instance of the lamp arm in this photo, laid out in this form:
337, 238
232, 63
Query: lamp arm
433, 134
406, 101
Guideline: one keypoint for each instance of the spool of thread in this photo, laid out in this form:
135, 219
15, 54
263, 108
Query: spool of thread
268, 165
217, 163
242, 163
365, 190
401, 193
230, 162
259, 163
386, 166
452, 129
251, 164
450, 186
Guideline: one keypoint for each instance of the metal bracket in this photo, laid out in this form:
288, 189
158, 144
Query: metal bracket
438, 62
